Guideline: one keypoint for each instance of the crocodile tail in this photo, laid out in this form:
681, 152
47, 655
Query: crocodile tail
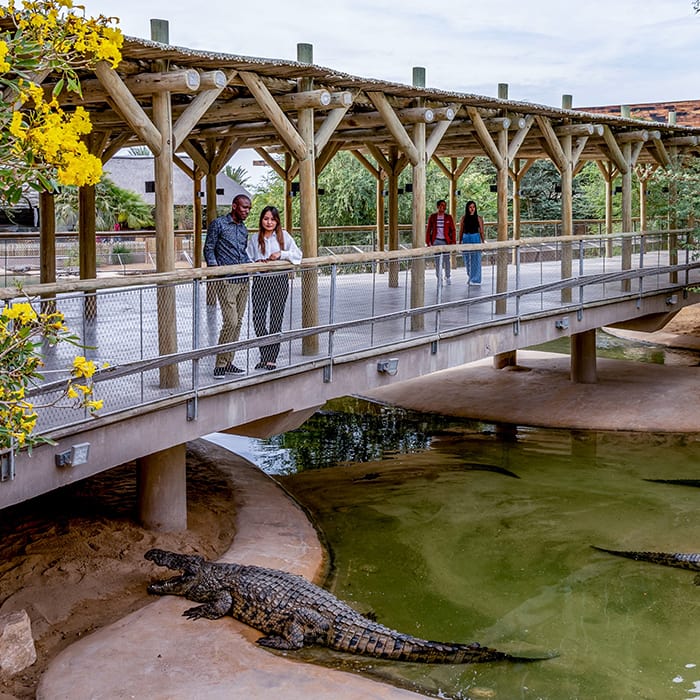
372, 639
431, 652
675, 559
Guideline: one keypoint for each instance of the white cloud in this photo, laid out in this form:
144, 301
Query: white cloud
601, 51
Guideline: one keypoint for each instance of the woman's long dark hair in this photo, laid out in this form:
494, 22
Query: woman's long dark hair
278, 230
471, 221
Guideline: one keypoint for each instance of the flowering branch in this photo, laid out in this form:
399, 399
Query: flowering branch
40, 144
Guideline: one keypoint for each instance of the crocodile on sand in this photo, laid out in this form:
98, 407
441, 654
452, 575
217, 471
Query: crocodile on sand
293, 612
680, 561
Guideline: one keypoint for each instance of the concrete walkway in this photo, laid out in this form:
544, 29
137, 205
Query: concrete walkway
157, 653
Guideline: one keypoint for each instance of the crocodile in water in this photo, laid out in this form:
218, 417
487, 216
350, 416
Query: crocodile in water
293, 613
681, 561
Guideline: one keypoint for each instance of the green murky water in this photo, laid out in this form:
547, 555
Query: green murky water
460, 531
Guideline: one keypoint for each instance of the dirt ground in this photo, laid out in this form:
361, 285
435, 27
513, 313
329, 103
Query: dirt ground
74, 559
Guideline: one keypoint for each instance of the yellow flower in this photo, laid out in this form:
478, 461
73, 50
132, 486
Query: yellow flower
83, 368
21, 311
94, 405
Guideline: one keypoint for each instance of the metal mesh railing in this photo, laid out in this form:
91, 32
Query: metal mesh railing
163, 340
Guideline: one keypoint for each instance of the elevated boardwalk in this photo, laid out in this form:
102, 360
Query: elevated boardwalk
531, 292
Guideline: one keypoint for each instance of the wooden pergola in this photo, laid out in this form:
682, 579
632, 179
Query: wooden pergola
298, 115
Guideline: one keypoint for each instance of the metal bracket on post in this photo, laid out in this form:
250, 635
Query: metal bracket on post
434, 347
7, 465
516, 326
327, 373
579, 315
192, 409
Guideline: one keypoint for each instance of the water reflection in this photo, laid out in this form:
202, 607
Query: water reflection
431, 530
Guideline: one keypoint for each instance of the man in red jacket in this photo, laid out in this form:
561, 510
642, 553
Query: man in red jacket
441, 231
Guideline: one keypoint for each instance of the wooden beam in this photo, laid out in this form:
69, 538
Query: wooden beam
198, 156
581, 142
376, 172
615, 152
555, 148
631, 136
394, 125
326, 157
271, 162
131, 110
484, 137
225, 152
114, 146
194, 111
660, 153
575, 130
327, 129
382, 162
446, 171
274, 113
183, 166
519, 138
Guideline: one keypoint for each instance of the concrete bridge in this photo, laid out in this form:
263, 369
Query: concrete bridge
352, 323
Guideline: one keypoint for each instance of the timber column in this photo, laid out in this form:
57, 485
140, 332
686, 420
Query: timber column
165, 218
418, 211
309, 216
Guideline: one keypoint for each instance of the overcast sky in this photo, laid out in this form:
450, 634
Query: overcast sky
599, 51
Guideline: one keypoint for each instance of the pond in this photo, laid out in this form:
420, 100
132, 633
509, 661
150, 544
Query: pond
462, 531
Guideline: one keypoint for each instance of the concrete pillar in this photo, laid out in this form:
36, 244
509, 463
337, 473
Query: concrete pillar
162, 490
583, 358
505, 359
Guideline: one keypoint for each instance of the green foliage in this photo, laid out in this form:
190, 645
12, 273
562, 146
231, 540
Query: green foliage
239, 174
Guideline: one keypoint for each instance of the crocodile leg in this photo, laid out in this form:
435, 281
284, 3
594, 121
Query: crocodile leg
217, 606
304, 626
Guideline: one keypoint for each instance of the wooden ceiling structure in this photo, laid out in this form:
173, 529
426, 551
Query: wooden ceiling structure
210, 105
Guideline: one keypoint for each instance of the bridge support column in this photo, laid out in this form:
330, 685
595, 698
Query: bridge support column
583, 358
162, 490
505, 359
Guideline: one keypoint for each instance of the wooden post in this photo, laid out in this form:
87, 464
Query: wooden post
626, 262
210, 196
47, 244
393, 207
197, 217
380, 214
288, 210
308, 199
502, 257
47, 237
418, 210
87, 244
165, 219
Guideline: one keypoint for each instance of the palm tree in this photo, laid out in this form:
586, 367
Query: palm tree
112, 205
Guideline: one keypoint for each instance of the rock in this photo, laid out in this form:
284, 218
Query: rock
16, 643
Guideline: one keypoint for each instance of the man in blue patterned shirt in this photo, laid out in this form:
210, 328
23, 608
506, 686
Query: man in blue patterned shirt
227, 238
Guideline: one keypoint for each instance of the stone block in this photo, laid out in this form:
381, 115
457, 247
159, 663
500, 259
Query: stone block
17, 650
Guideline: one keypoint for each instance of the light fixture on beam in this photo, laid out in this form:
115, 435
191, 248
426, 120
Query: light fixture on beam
390, 366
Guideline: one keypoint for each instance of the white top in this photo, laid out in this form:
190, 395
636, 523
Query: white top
291, 252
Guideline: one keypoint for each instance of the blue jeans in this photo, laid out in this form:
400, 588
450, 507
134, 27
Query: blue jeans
472, 259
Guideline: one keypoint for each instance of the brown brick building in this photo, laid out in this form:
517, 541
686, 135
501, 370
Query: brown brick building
687, 111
